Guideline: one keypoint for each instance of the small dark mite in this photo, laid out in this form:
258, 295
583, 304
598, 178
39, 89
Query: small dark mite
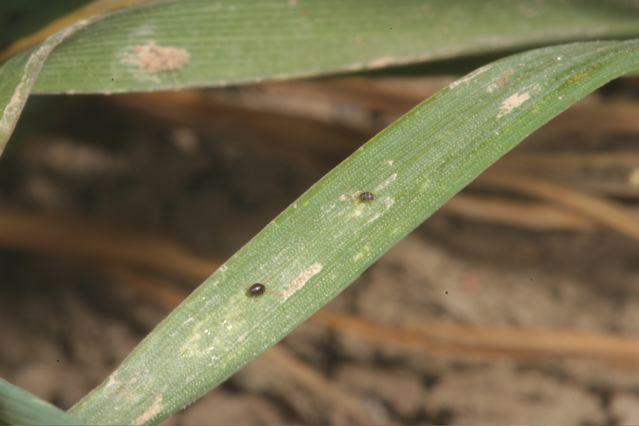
256, 290
366, 197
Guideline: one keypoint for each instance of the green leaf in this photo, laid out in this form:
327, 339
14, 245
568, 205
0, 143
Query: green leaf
19, 407
17, 77
173, 44
227, 42
329, 236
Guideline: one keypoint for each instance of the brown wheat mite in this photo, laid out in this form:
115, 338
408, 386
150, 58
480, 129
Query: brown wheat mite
366, 197
256, 289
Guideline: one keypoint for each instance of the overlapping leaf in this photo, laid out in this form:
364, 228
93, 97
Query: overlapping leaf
169, 44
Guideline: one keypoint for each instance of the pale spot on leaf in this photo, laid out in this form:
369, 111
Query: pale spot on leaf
299, 281
153, 58
512, 102
150, 412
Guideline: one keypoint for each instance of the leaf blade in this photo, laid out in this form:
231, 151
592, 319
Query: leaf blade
18, 75
322, 242
171, 44
19, 407
237, 42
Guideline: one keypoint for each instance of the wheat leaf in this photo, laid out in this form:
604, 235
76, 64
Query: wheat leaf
332, 233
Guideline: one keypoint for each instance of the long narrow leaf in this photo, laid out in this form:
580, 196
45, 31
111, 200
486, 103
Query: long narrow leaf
181, 43
169, 44
333, 232
17, 77
19, 407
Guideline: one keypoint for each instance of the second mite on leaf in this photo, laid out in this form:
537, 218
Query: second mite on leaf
366, 197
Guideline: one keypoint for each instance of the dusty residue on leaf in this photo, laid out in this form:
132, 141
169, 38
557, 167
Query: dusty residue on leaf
153, 58
301, 280
150, 412
512, 102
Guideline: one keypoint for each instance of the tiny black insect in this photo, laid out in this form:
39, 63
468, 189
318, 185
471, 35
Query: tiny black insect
366, 197
256, 289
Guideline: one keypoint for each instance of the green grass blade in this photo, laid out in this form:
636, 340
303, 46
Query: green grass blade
19, 407
328, 237
169, 44
212, 43
17, 77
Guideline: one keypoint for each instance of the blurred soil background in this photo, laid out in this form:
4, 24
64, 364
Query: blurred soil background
517, 302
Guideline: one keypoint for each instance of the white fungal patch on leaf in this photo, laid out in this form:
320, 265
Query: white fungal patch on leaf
150, 412
387, 182
300, 281
388, 202
153, 58
512, 102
